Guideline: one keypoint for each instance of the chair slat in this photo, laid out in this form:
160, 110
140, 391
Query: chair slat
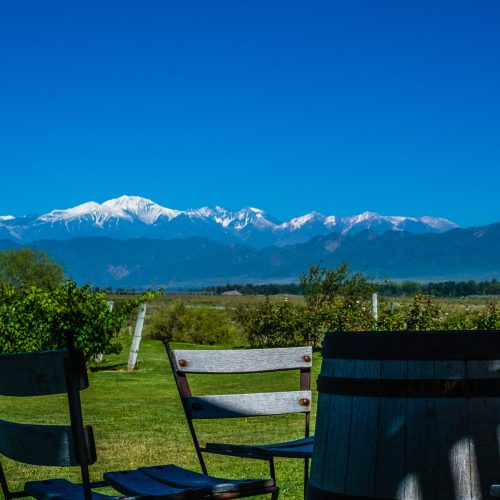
42, 444
243, 360
183, 478
249, 405
61, 489
135, 482
37, 373
300, 448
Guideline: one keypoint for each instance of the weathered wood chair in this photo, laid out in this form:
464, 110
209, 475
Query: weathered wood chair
240, 361
64, 371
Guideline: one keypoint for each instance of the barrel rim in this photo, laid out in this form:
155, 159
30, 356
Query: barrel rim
465, 345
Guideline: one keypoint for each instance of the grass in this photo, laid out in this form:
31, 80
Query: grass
138, 420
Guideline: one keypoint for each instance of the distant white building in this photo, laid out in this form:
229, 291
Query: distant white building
232, 292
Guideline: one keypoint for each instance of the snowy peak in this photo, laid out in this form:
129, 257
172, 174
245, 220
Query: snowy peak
135, 217
145, 210
125, 207
236, 220
299, 222
91, 211
381, 223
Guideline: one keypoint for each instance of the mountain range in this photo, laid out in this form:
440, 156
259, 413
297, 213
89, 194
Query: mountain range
459, 254
131, 242
135, 217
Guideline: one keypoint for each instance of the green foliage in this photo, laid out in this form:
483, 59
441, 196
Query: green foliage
32, 318
335, 299
25, 266
385, 288
202, 325
273, 324
488, 318
421, 314
440, 289
462, 320
263, 289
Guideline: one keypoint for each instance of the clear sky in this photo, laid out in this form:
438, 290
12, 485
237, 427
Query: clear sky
339, 106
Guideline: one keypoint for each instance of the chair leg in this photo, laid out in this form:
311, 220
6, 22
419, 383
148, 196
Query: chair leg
306, 474
272, 472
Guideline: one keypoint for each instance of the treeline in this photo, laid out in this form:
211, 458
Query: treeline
265, 289
440, 289
387, 288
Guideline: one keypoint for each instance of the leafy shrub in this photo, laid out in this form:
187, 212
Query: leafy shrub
273, 325
421, 314
33, 319
488, 318
200, 325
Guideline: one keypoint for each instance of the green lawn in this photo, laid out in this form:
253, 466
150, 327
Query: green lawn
138, 420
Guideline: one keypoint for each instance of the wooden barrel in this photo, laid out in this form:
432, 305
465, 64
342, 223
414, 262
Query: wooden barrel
408, 415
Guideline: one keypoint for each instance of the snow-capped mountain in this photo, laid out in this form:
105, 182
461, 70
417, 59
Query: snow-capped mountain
134, 217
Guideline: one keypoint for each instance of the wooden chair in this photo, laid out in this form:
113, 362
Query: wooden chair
240, 361
64, 371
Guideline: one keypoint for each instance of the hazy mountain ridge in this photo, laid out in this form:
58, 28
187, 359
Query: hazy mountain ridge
140, 262
135, 217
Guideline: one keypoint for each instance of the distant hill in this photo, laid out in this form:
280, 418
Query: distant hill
472, 253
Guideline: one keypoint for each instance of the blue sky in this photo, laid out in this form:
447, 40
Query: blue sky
335, 106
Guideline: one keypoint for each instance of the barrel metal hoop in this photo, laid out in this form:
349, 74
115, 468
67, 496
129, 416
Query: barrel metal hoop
419, 346
409, 388
315, 493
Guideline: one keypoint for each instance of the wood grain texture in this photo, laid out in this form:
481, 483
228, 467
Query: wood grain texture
432, 445
420, 452
390, 462
243, 360
361, 464
338, 414
249, 405
452, 472
321, 438
484, 430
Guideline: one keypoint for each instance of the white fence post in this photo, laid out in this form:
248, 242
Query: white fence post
375, 310
136, 341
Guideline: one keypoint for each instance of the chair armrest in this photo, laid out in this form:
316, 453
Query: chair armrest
236, 450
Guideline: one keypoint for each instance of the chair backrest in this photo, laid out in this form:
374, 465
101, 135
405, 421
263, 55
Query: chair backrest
239, 361
40, 374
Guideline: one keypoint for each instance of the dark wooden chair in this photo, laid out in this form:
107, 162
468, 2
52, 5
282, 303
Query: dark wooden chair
240, 361
64, 371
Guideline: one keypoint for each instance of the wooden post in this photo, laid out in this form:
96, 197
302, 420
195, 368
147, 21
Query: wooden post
136, 341
375, 310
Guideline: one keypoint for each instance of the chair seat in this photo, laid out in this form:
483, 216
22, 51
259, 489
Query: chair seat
60, 489
136, 482
183, 478
300, 448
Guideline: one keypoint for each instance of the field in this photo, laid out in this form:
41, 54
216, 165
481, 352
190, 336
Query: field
138, 420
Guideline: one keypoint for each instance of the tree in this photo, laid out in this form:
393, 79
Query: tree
336, 300
26, 266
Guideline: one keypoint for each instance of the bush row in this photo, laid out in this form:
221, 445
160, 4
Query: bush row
33, 318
